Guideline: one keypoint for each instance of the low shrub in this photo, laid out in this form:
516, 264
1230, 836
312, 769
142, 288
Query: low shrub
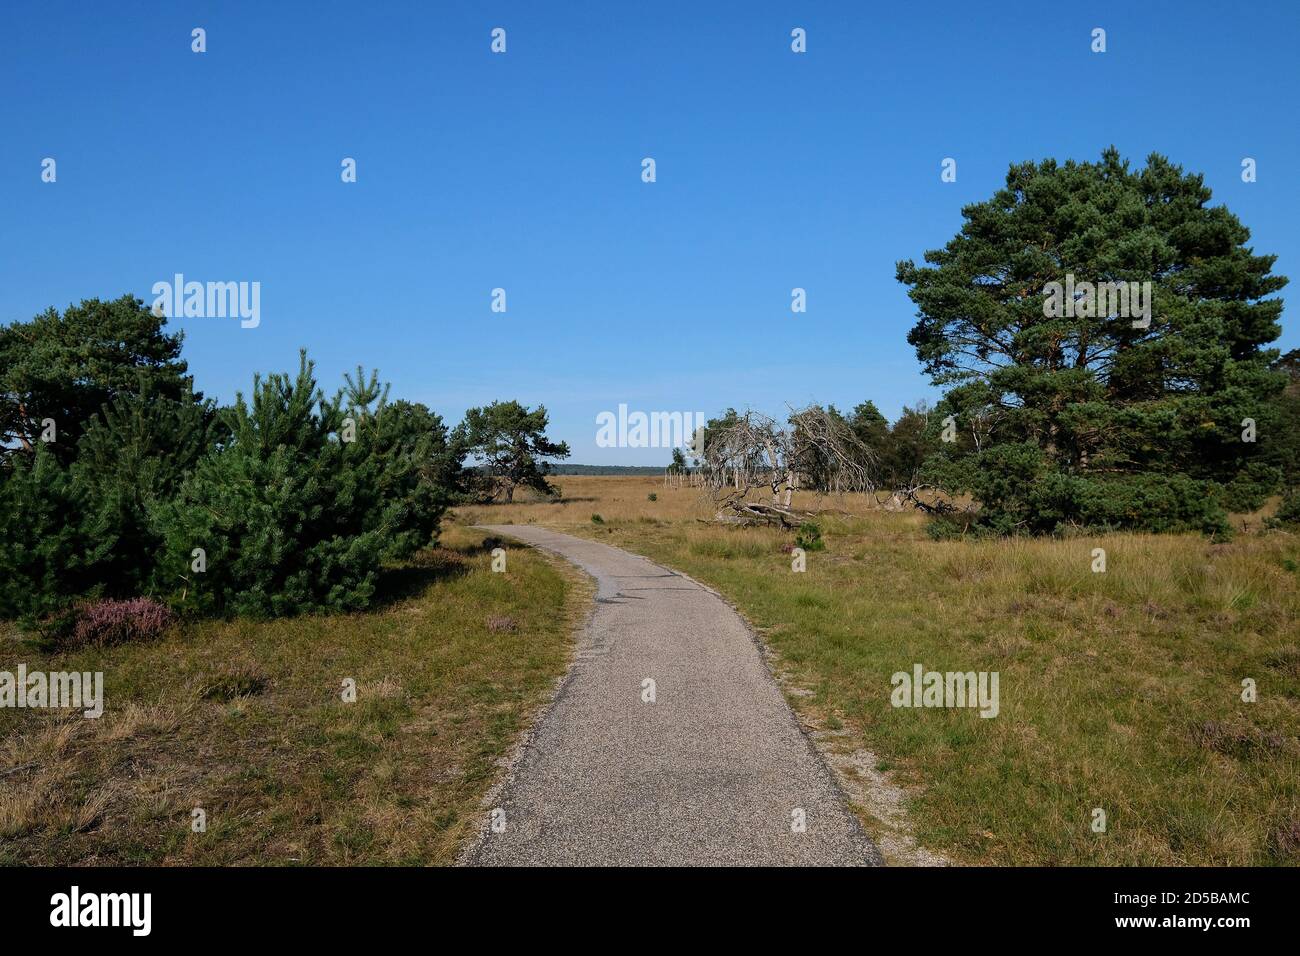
1288, 513
809, 537
108, 622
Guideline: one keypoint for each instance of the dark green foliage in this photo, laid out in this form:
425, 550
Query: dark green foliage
1288, 513
899, 450
407, 474
130, 460
870, 427
511, 441
1087, 421
85, 529
1280, 440
126, 425
292, 517
809, 537
295, 500
909, 445
1283, 449
47, 557
66, 367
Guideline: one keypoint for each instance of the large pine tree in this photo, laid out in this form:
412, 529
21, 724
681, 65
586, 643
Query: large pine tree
1095, 421
511, 441
64, 367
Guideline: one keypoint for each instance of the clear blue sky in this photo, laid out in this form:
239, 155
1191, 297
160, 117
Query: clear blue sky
522, 171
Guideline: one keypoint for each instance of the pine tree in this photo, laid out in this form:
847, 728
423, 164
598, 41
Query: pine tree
278, 513
1094, 420
65, 367
360, 393
403, 473
132, 459
511, 440
48, 557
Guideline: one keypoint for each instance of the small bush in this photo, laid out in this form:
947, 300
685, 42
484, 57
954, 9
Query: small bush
652, 497
597, 519
809, 537
1288, 513
105, 623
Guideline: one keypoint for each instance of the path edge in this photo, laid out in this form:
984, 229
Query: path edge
508, 763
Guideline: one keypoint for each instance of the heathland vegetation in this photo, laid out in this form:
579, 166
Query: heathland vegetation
298, 664
1120, 690
228, 566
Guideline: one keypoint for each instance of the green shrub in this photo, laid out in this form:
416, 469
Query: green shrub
131, 458
1018, 493
292, 511
66, 366
51, 552
403, 475
290, 517
809, 537
1288, 513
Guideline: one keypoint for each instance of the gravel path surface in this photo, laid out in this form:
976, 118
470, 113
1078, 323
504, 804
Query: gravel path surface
715, 771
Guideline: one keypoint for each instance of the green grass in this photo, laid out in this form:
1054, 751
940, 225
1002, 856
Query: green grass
1119, 690
246, 720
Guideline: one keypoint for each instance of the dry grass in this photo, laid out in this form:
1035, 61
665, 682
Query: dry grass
246, 721
1119, 690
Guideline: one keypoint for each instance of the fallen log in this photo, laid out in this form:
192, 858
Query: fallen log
754, 512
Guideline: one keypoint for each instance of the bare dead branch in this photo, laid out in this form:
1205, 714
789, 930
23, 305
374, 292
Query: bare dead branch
814, 450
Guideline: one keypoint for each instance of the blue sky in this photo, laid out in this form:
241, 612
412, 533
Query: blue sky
522, 171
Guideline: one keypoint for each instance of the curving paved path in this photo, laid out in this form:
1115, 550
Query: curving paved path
710, 773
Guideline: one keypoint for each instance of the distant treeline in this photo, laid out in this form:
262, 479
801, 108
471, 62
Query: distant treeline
561, 470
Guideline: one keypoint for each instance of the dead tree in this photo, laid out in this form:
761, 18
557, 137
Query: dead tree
755, 451
940, 504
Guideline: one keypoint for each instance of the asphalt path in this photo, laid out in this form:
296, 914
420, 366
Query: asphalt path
714, 770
